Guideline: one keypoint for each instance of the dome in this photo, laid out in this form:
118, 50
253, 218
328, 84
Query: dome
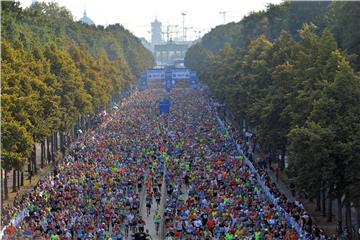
86, 20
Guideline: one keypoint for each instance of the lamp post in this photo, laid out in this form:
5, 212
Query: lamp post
223, 13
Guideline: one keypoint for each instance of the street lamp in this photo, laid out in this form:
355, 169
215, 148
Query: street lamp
183, 15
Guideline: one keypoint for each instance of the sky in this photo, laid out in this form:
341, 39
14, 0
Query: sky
136, 15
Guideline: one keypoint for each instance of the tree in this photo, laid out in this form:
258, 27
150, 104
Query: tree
272, 123
55, 71
74, 99
199, 59
16, 147
308, 154
342, 19
337, 110
300, 95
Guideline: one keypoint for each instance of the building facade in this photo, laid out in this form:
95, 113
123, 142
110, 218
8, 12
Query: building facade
166, 53
170, 53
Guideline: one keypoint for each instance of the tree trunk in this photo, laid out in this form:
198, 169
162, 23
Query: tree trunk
318, 201
33, 160
61, 141
282, 161
58, 147
86, 122
55, 141
22, 178
18, 179
14, 181
42, 155
348, 217
339, 209
69, 138
80, 122
78, 126
6, 189
244, 129
92, 121
81, 126
52, 141
1, 187
323, 201
29, 170
358, 223
330, 212
49, 157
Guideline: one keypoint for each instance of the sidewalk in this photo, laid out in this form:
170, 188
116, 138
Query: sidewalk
318, 219
27, 187
283, 185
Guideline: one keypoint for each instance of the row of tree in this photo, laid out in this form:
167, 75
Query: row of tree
57, 72
301, 93
339, 17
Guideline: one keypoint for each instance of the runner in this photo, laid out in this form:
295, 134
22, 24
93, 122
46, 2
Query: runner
157, 219
148, 205
158, 199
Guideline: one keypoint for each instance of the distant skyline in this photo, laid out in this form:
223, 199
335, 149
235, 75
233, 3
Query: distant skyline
136, 15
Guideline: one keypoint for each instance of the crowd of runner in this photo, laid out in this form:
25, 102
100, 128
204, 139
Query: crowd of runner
95, 192
98, 190
211, 193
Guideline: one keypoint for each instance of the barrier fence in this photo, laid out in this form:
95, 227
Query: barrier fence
16, 221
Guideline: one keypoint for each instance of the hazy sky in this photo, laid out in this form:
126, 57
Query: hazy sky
136, 15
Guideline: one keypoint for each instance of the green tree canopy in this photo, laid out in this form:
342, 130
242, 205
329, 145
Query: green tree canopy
55, 70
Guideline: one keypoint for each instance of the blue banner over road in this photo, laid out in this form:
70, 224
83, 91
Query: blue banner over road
168, 77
